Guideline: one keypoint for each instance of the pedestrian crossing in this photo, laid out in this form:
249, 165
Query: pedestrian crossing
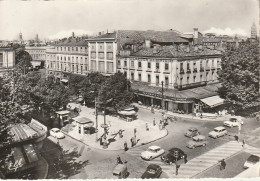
201, 163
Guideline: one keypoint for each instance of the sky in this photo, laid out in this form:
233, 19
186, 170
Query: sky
52, 19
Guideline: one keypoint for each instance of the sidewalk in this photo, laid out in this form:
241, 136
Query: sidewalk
115, 124
188, 116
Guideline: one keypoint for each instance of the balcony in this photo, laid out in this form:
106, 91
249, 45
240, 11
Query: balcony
201, 69
181, 71
195, 70
139, 69
208, 68
157, 70
149, 70
213, 68
188, 71
132, 68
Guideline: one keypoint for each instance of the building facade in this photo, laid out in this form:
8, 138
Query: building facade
7, 58
38, 54
67, 57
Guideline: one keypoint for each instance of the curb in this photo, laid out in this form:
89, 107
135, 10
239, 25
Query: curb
142, 144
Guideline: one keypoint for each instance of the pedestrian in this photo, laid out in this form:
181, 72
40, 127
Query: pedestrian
147, 128
132, 142
222, 164
100, 140
154, 122
177, 167
125, 146
236, 138
185, 158
118, 160
243, 143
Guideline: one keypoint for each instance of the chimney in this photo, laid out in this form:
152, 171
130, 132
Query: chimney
73, 35
148, 43
195, 35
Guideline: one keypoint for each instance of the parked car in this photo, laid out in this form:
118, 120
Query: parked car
197, 141
252, 160
192, 132
218, 132
152, 152
233, 122
56, 133
152, 171
173, 155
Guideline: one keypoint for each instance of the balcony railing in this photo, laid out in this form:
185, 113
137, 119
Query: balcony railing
188, 71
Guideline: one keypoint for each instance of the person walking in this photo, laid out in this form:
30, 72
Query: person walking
132, 142
154, 122
147, 128
125, 146
177, 167
236, 138
243, 143
222, 164
118, 160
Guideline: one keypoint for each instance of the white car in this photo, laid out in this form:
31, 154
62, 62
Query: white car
252, 160
218, 132
152, 152
56, 133
233, 122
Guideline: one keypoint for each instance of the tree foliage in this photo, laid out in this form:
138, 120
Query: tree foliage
22, 59
240, 76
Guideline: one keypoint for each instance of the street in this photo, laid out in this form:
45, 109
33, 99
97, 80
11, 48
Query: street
105, 160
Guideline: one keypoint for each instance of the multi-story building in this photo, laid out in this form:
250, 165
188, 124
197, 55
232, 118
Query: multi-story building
69, 56
7, 58
38, 54
253, 31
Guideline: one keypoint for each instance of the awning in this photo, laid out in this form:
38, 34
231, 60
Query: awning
213, 101
64, 80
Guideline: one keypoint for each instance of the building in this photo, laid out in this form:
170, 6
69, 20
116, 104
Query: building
166, 68
68, 56
38, 54
254, 31
7, 58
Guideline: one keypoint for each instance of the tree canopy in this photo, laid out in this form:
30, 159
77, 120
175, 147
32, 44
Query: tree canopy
240, 76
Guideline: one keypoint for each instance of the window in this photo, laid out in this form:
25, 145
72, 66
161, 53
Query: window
181, 66
60, 58
72, 68
166, 81
76, 48
194, 79
157, 66
188, 80
93, 55
68, 58
139, 64
188, 66
140, 77
109, 47
119, 62
101, 55
125, 63
132, 76
166, 66
132, 63
149, 65
110, 56
149, 78
68, 48
61, 48
57, 57
72, 48
64, 58
81, 69
200, 78
157, 80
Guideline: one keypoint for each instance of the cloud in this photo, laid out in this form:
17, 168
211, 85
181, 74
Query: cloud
226, 31
68, 33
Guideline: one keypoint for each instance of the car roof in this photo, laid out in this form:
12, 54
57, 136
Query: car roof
154, 147
175, 149
219, 128
193, 128
153, 166
55, 129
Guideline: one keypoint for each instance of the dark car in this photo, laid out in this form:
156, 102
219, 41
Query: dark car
173, 155
152, 171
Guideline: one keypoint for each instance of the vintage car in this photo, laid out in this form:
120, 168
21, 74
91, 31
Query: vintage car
232, 122
152, 152
197, 141
152, 171
56, 133
192, 132
120, 171
218, 132
252, 160
173, 155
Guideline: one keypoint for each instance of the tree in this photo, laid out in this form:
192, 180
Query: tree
240, 76
22, 60
117, 89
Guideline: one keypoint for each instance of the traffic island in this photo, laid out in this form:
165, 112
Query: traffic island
116, 134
